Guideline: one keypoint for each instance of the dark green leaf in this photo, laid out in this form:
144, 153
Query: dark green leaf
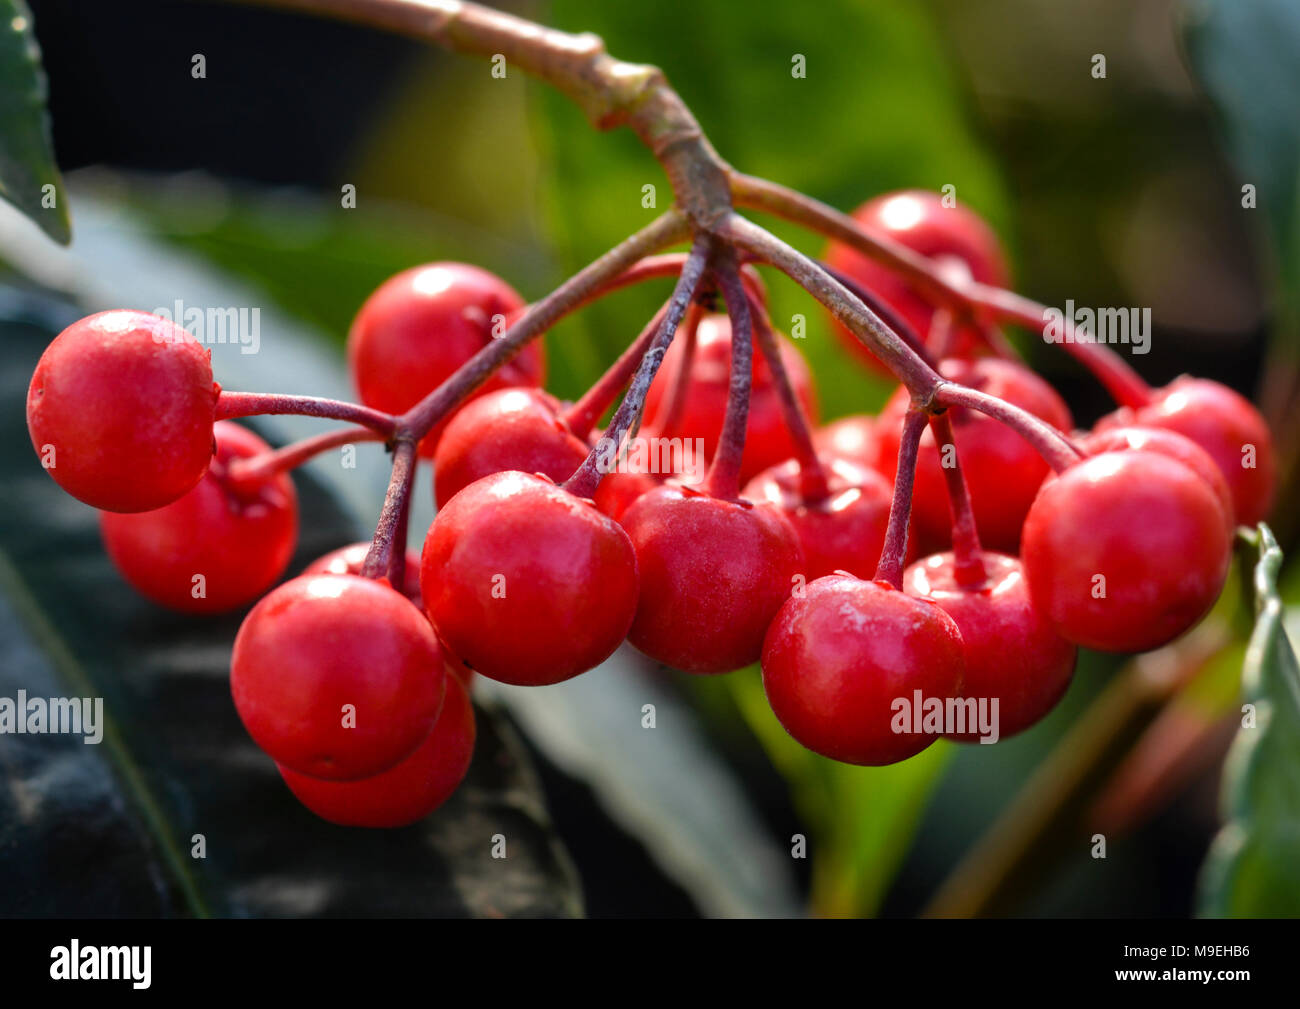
27, 164
107, 829
1253, 869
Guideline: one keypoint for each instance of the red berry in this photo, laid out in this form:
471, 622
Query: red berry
1125, 550
1166, 442
713, 574
337, 677
843, 532
1002, 470
1227, 426
349, 560
526, 582
1012, 654
424, 323
919, 220
852, 438
407, 792
843, 662
120, 410
619, 491
510, 429
238, 537
767, 439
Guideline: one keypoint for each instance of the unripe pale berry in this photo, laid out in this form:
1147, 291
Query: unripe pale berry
217, 547
120, 410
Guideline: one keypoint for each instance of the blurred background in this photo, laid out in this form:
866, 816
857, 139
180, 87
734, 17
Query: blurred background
1123, 190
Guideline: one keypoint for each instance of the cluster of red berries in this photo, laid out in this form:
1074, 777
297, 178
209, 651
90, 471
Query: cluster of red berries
358, 689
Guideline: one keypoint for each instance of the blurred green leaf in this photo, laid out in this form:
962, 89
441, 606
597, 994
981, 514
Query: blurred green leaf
1252, 869
1243, 52
882, 114
861, 818
26, 148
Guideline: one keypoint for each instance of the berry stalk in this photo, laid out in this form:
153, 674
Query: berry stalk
256, 469
669, 415
584, 482
231, 405
968, 564
1054, 447
893, 556
723, 479
668, 229
390, 531
906, 364
812, 475
985, 303
891, 318
583, 415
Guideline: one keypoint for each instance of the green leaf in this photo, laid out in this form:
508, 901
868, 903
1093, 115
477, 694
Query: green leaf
109, 829
1243, 52
26, 149
1252, 869
861, 818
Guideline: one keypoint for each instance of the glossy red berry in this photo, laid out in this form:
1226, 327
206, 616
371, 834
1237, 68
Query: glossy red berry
526, 582
619, 491
1002, 470
120, 410
843, 664
917, 219
852, 438
217, 547
713, 574
510, 429
1166, 442
337, 676
767, 438
1124, 551
407, 792
1227, 426
844, 531
424, 323
349, 560
1013, 656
